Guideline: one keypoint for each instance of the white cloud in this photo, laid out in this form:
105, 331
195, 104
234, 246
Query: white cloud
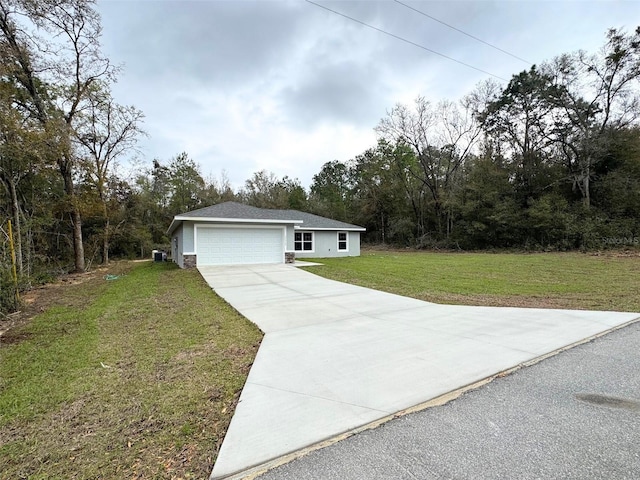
286, 86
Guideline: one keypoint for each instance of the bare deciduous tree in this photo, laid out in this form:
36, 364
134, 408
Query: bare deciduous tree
53, 51
442, 137
105, 132
597, 93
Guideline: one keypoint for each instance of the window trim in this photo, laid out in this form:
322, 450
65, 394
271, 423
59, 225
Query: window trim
346, 241
313, 242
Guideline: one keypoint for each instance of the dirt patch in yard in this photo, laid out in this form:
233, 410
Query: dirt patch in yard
39, 299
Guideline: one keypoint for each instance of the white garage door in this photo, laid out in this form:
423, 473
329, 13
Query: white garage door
227, 246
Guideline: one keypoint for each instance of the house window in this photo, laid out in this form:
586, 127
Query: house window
343, 245
303, 242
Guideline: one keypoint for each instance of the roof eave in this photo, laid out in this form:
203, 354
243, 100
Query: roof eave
342, 229
174, 224
232, 220
178, 219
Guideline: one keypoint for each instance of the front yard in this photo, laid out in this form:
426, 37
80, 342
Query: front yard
548, 280
133, 377
137, 375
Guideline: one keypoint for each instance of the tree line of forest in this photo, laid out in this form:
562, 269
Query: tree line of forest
549, 161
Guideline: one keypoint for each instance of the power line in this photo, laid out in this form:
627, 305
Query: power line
462, 32
407, 41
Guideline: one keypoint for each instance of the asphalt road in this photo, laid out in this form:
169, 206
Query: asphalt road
572, 416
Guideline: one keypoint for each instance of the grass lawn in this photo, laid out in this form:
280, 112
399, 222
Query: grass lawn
547, 280
138, 377
129, 378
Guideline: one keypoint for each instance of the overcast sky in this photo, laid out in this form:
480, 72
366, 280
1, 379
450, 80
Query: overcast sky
286, 86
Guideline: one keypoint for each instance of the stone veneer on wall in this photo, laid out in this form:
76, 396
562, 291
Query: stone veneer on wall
189, 261
289, 257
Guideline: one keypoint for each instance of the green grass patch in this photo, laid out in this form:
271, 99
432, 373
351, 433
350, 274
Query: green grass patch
131, 378
138, 377
549, 280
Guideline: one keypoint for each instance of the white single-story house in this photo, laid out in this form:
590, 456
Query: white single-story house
232, 233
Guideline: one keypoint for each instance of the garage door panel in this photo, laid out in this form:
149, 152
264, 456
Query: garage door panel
225, 246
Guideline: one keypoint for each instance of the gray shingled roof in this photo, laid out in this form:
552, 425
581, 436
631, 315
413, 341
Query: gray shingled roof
309, 220
239, 210
246, 212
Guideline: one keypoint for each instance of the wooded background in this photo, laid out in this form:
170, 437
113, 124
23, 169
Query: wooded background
550, 161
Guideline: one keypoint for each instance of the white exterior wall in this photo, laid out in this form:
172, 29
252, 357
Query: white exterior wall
325, 244
354, 247
182, 243
177, 246
189, 246
289, 238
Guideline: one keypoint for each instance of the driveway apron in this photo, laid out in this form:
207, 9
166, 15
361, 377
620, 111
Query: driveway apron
336, 357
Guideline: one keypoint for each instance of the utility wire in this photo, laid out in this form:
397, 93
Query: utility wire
462, 32
407, 41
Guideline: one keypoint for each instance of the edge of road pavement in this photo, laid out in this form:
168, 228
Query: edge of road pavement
252, 472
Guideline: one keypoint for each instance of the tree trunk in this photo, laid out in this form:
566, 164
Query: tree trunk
78, 247
586, 195
437, 208
15, 212
105, 243
76, 218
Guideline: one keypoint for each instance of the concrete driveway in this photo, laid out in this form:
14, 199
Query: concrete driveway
337, 357
573, 416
